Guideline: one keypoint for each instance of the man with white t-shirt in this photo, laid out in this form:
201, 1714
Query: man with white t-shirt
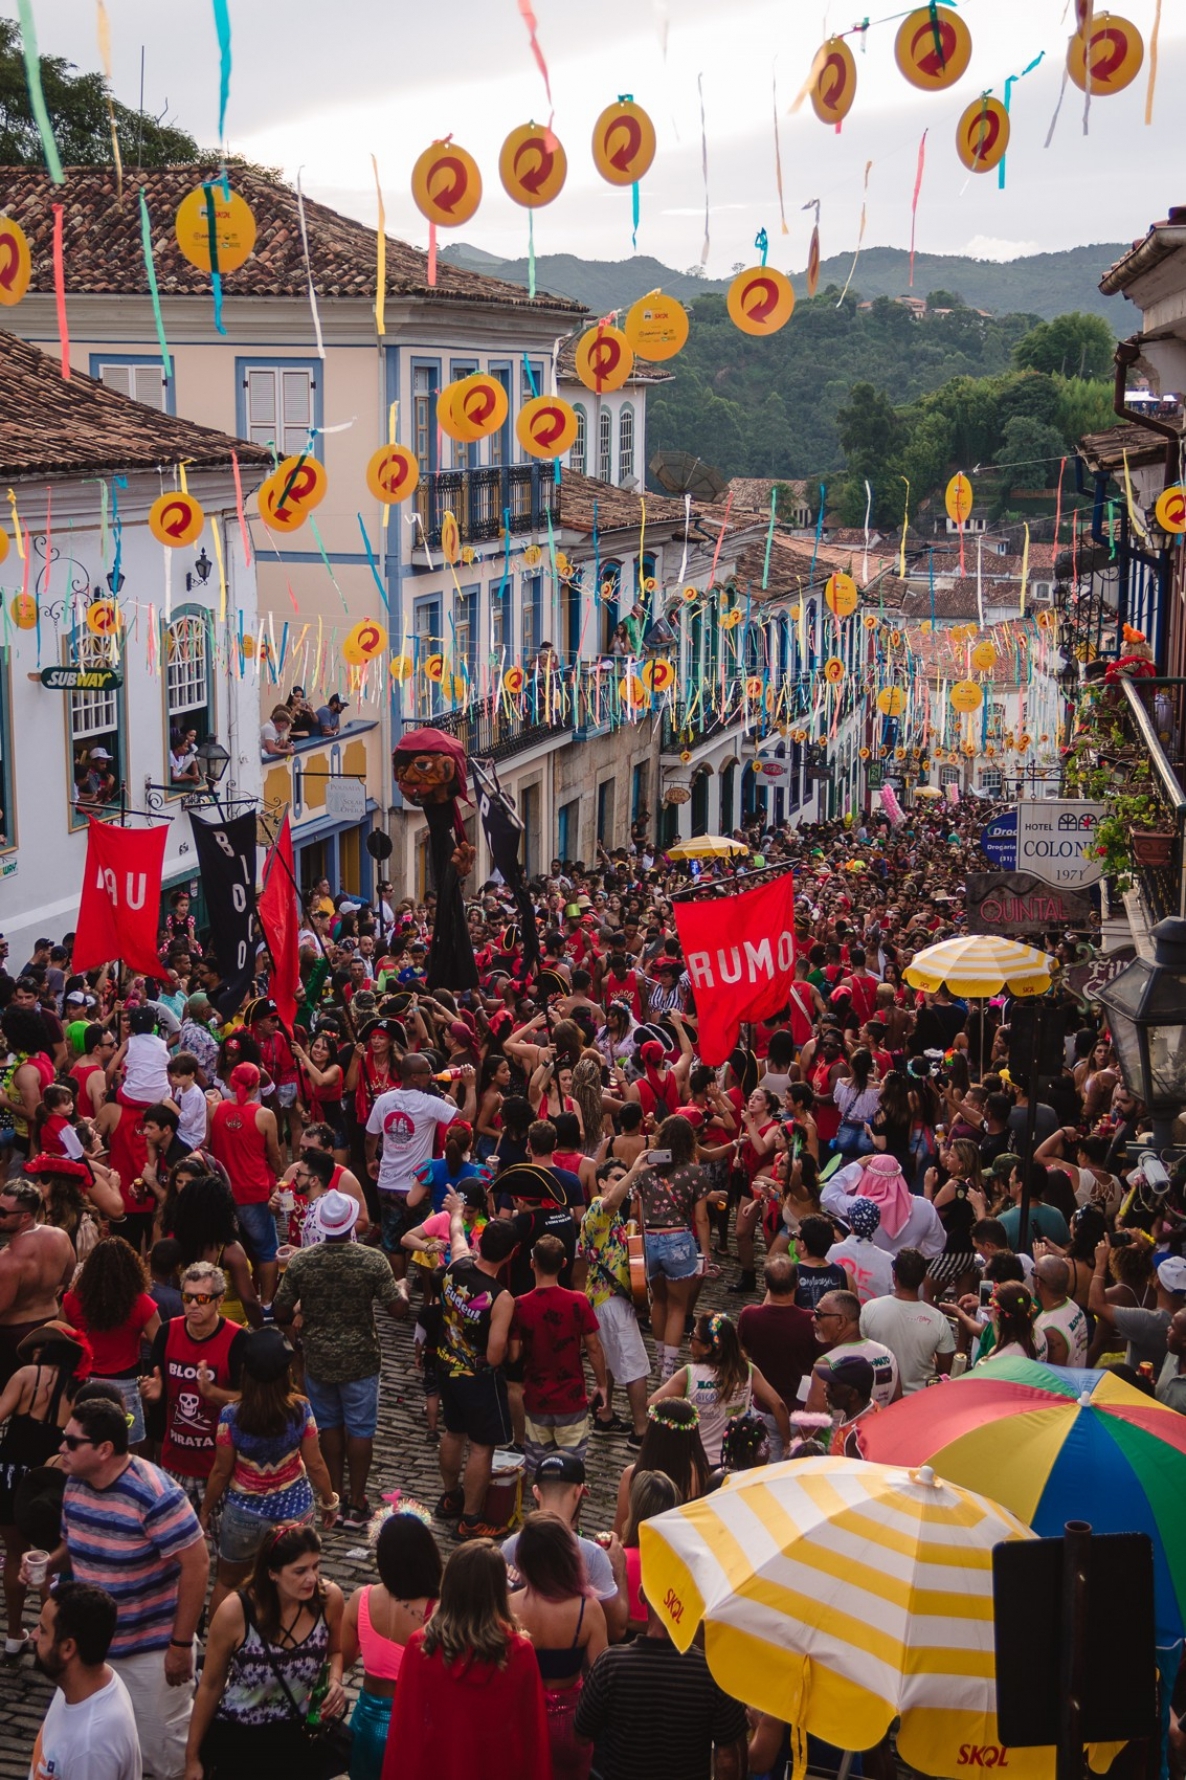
89, 1732
837, 1319
405, 1120
919, 1336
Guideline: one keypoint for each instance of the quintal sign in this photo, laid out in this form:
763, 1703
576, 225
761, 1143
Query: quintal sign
1056, 841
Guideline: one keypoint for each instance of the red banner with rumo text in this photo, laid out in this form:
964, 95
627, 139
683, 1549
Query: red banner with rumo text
739, 952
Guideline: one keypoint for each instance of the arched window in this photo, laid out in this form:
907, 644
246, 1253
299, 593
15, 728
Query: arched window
188, 701
605, 446
96, 730
626, 444
578, 457
608, 595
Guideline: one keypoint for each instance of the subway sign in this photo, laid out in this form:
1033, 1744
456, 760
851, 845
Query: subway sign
76, 679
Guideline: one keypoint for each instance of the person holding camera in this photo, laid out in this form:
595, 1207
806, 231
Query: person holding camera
673, 1193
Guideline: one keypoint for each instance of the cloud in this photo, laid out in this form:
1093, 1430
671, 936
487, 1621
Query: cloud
991, 247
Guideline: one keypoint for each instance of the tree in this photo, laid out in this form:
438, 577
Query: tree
869, 429
1075, 345
77, 105
1083, 408
1030, 396
945, 299
1029, 455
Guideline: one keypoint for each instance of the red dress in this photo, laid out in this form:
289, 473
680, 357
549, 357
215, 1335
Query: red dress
468, 1719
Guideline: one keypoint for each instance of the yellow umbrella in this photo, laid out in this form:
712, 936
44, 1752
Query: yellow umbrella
928, 791
839, 1595
980, 965
706, 846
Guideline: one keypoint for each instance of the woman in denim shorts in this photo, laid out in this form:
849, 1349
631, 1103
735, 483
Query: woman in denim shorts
675, 1222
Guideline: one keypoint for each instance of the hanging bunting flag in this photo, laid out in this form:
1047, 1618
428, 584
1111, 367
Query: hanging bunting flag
813, 74
1154, 37
770, 536
1009, 85
150, 273
60, 290
905, 524
922, 161
1025, 562
532, 23
243, 532
813, 249
856, 256
308, 266
103, 32
380, 257
704, 168
36, 95
782, 209
835, 86
222, 25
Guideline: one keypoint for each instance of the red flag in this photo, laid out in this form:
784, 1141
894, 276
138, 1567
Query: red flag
740, 956
119, 911
277, 910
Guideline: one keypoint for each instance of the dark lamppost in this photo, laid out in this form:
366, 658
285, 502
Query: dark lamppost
1146, 1006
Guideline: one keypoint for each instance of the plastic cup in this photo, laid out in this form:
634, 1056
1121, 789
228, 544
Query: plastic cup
36, 1566
287, 1199
284, 1255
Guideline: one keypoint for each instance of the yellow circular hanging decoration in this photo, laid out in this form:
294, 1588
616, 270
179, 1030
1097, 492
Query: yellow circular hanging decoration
175, 519
546, 426
472, 408
563, 566
891, 701
102, 617
969, 749
302, 480
364, 642
869, 621
450, 538
658, 676
984, 657
446, 185
840, 591
434, 667
760, 301
401, 667
958, 499
799, 736
1171, 509
3, 545
899, 753
833, 670
23, 607
392, 474
864, 753
468, 555
966, 696
512, 681
753, 687
623, 143
933, 48
730, 620
16, 262
248, 647
895, 639
633, 690
532, 556
982, 135
689, 594
656, 326
532, 172
835, 86
604, 359
234, 228
1117, 51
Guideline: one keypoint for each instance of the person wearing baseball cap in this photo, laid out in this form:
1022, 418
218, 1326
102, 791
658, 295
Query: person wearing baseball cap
848, 1390
339, 1284
559, 1487
329, 715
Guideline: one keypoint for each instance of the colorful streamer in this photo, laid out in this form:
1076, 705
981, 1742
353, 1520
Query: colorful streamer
153, 290
704, 168
60, 290
1025, 568
529, 19
770, 536
432, 254
243, 532
860, 237
905, 524
813, 249
782, 209
222, 25
1154, 35
922, 161
1009, 85
380, 257
309, 266
36, 95
212, 238
103, 32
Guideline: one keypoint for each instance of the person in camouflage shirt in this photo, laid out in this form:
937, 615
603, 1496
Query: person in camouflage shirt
336, 1285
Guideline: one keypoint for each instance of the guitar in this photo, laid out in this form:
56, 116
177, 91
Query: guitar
640, 1291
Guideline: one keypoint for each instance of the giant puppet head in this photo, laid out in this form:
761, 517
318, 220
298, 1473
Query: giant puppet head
429, 767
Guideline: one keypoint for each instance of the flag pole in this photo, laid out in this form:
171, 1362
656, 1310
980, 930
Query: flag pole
307, 912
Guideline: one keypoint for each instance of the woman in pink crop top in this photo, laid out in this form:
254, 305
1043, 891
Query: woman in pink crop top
378, 1621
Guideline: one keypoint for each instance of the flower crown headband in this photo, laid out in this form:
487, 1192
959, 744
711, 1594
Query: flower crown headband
660, 1413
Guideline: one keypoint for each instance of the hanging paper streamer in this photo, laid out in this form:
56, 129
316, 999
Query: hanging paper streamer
922, 161
905, 524
532, 23
380, 257
432, 253
813, 74
856, 256
770, 536
1153, 43
1025, 566
243, 532
36, 95
782, 211
103, 32
309, 267
813, 249
60, 291
704, 169
222, 25
150, 272
211, 213
1009, 85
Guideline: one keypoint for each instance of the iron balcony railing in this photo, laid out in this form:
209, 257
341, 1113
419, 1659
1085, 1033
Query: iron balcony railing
482, 500
495, 729
1154, 719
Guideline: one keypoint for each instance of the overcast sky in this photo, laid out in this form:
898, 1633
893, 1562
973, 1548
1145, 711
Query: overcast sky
320, 85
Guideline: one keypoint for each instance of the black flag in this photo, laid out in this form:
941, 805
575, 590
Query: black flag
504, 830
226, 860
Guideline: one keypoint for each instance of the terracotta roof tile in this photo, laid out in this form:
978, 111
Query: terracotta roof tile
103, 253
1107, 450
617, 508
51, 427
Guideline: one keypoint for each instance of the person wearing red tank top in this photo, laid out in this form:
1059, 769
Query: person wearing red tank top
244, 1139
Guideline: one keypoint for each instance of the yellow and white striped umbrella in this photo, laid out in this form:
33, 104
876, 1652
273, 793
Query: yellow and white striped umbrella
980, 965
838, 1596
707, 846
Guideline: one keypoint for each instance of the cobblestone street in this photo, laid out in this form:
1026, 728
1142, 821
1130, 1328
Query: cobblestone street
404, 1459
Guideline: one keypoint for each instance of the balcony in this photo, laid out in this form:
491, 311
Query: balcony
1153, 720
707, 723
484, 502
492, 732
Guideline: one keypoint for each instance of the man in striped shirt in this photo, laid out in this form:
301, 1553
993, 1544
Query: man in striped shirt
129, 1529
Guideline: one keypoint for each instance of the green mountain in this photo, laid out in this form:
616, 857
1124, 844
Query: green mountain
1043, 284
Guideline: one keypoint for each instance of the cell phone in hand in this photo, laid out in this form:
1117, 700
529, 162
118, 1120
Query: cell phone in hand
658, 1158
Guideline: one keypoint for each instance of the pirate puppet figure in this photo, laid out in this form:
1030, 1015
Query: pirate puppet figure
429, 769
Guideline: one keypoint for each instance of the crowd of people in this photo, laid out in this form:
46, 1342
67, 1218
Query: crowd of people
599, 1242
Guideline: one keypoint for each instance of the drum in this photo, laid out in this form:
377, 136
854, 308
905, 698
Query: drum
504, 1493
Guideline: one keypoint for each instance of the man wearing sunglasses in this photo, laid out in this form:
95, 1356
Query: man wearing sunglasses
129, 1529
196, 1363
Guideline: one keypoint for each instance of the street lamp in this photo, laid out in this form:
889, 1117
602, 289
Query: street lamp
1146, 1006
214, 761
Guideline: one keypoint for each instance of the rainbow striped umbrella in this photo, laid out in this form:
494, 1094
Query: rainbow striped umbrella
1054, 1444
